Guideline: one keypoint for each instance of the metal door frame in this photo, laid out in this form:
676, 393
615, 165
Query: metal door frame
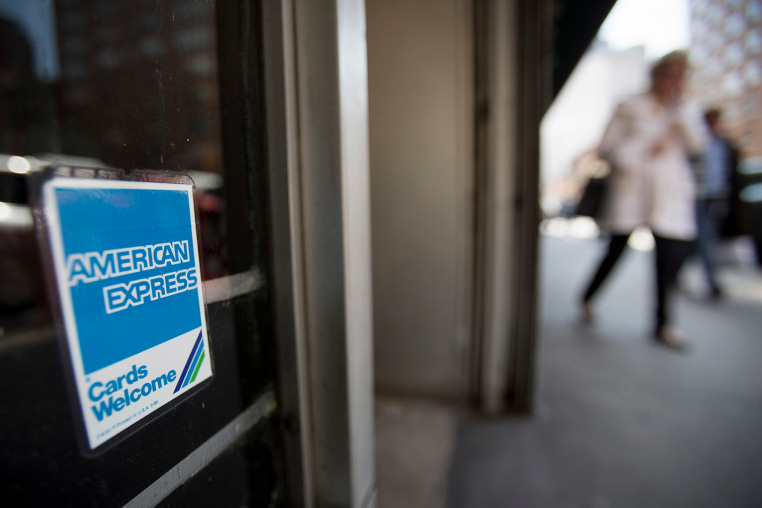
511, 87
315, 69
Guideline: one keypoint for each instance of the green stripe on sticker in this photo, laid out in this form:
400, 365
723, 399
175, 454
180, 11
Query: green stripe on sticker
198, 366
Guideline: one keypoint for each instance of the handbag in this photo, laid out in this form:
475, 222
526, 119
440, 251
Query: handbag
590, 204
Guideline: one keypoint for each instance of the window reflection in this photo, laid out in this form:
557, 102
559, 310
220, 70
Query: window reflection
145, 91
131, 85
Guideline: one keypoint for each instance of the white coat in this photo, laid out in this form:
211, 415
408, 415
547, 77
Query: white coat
655, 190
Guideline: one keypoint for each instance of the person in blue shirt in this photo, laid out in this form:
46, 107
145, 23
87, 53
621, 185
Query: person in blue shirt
714, 177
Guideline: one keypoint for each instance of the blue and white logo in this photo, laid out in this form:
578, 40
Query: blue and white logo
127, 270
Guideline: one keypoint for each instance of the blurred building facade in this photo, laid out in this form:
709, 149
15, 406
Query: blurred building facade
726, 50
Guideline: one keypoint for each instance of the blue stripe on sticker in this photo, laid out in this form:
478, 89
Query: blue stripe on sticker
188, 364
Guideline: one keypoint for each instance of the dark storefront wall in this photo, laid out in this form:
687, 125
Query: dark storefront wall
157, 85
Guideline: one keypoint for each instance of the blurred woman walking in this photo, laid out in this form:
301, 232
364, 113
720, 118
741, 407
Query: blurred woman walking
648, 144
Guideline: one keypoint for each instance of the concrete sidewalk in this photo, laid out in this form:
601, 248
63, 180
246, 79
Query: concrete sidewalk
621, 421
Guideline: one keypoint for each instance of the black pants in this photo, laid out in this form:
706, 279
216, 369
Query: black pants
670, 254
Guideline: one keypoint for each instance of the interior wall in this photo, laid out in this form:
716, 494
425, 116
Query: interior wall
420, 58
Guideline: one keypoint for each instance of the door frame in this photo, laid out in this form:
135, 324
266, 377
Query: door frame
511, 89
315, 74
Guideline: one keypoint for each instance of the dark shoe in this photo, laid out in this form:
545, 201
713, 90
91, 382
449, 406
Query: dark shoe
717, 294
